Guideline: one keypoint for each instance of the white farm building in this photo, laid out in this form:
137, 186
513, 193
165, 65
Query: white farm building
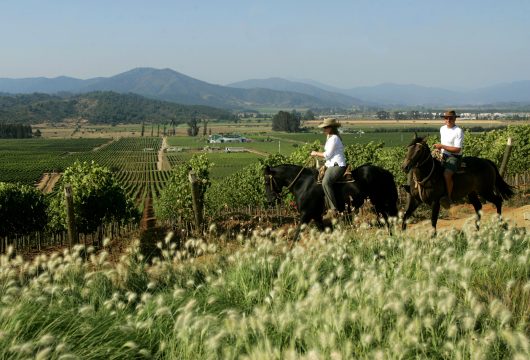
218, 139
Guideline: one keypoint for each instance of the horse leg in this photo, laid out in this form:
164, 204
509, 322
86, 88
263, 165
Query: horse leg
495, 199
388, 225
297, 232
434, 215
381, 211
412, 204
305, 219
474, 200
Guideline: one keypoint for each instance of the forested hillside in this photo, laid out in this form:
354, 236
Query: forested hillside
98, 107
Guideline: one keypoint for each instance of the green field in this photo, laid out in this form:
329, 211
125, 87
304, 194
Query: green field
134, 160
285, 143
388, 138
224, 164
24, 160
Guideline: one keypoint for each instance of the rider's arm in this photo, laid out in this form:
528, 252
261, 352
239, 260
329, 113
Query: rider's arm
329, 148
451, 149
317, 153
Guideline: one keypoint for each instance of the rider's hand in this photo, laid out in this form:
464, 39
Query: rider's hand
438, 146
314, 153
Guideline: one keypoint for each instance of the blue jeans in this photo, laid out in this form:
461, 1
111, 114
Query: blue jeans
331, 176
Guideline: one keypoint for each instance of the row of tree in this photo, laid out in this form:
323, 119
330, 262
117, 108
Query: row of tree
287, 121
15, 131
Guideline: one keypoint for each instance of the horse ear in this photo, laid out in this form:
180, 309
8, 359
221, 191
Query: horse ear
267, 170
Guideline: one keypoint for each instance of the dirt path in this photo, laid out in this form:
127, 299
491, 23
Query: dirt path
48, 181
104, 145
461, 214
257, 152
163, 163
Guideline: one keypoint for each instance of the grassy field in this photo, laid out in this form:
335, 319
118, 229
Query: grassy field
25, 160
243, 126
224, 164
348, 294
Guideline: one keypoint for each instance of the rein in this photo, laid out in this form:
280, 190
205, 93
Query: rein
299, 173
418, 184
288, 187
295, 178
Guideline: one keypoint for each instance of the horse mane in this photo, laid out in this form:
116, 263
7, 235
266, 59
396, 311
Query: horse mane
417, 139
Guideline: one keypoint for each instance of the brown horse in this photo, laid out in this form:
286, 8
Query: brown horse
427, 184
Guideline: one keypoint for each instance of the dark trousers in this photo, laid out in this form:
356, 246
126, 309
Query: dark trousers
330, 177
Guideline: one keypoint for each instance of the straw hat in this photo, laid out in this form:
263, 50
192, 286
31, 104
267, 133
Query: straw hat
450, 113
329, 122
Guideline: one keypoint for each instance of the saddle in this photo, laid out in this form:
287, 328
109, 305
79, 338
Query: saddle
346, 178
437, 155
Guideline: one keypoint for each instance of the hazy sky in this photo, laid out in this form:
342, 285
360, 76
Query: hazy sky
463, 43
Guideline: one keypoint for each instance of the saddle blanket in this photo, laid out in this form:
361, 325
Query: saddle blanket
346, 178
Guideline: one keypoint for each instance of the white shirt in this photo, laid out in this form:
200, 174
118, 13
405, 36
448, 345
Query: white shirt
334, 151
452, 137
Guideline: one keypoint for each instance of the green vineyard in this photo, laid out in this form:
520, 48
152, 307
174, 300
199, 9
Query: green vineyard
133, 160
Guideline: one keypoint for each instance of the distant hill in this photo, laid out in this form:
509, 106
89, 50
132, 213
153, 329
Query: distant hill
100, 108
298, 87
169, 85
389, 94
414, 95
396, 94
502, 93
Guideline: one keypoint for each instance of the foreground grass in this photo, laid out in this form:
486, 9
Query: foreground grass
355, 294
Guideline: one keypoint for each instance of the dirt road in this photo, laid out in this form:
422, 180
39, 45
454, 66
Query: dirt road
163, 163
461, 214
48, 181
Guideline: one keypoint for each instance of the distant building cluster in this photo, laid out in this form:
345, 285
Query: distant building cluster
494, 116
228, 138
248, 114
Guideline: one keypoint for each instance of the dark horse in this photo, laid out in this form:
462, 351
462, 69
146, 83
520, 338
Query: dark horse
427, 184
369, 182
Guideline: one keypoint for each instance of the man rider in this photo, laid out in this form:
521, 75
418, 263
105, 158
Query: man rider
451, 144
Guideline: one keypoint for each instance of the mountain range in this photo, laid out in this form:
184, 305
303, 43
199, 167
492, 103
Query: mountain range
169, 85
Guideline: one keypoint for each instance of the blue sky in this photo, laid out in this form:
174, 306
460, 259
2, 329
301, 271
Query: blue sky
465, 43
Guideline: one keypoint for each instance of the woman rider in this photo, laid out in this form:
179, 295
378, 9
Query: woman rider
335, 162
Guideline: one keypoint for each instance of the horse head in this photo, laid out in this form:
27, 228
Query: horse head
416, 151
272, 189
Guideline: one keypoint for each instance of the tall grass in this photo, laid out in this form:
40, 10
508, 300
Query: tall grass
346, 294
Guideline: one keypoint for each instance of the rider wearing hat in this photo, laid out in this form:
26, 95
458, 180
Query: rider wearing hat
451, 144
335, 162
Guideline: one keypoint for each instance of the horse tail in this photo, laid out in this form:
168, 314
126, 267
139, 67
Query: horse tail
504, 189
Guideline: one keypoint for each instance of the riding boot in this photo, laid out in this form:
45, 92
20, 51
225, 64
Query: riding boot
331, 214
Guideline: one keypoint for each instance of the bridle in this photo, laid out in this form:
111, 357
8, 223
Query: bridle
274, 184
417, 183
